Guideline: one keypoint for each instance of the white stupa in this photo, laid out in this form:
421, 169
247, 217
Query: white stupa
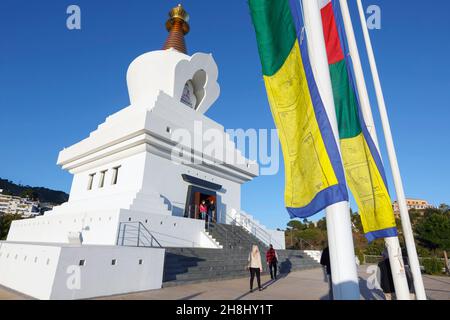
130, 195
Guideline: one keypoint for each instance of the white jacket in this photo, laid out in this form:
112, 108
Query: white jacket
254, 262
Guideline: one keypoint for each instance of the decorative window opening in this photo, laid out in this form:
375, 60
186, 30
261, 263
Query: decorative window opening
194, 90
101, 182
115, 177
91, 181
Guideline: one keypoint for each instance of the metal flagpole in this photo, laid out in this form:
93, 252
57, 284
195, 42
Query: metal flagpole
392, 243
340, 240
406, 223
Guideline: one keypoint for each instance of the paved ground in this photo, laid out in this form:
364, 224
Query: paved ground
303, 285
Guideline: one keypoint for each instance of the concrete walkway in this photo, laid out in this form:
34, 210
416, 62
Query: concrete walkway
302, 285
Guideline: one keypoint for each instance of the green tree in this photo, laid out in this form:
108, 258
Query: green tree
445, 208
5, 224
356, 223
296, 225
29, 194
314, 236
322, 224
433, 266
375, 248
430, 211
434, 231
7, 192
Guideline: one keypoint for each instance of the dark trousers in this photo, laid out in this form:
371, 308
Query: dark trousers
253, 272
273, 269
330, 287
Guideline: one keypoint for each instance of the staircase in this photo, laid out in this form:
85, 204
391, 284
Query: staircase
194, 265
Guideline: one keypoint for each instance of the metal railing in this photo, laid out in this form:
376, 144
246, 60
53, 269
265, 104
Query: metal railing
373, 259
135, 234
308, 245
253, 229
193, 212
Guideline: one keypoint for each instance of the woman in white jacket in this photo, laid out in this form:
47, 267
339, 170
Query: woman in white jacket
255, 267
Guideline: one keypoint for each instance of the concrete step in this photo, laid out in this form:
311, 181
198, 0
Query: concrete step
192, 270
194, 265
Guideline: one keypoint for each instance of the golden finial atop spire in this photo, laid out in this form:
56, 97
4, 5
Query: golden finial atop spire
178, 13
178, 27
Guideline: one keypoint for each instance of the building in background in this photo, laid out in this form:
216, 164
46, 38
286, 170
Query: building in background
413, 204
17, 205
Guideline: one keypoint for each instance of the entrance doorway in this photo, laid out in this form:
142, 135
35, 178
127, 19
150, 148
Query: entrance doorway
197, 196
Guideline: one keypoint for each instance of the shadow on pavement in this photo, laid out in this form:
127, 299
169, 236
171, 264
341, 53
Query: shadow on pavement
369, 294
264, 285
191, 296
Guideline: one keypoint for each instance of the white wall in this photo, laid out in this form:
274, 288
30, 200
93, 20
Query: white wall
100, 278
44, 271
29, 269
101, 228
98, 227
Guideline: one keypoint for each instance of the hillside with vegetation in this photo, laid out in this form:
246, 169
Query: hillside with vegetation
33, 193
431, 230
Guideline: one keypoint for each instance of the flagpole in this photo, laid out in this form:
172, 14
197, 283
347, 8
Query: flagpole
392, 243
406, 223
340, 240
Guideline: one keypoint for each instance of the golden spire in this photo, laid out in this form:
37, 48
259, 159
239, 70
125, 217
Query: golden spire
178, 27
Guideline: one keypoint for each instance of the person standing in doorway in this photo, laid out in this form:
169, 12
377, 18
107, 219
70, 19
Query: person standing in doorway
212, 211
255, 267
325, 262
203, 209
272, 262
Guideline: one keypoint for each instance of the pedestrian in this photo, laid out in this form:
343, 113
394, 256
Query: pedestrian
386, 280
272, 262
203, 210
325, 261
255, 267
212, 211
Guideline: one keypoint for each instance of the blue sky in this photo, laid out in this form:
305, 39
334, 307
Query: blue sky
56, 85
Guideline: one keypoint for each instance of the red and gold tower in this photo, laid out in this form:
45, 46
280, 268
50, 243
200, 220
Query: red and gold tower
178, 27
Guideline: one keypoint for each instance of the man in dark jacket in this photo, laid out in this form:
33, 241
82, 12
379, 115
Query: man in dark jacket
212, 211
325, 261
386, 280
272, 261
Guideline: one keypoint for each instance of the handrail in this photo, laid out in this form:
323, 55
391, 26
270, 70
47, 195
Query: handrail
267, 239
268, 235
308, 243
138, 231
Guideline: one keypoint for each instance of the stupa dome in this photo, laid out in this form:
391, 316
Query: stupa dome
169, 71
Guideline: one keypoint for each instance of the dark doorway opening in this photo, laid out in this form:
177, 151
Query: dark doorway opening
195, 197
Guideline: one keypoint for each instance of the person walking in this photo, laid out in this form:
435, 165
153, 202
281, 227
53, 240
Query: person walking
386, 280
325, 261
272, 262
255, 267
